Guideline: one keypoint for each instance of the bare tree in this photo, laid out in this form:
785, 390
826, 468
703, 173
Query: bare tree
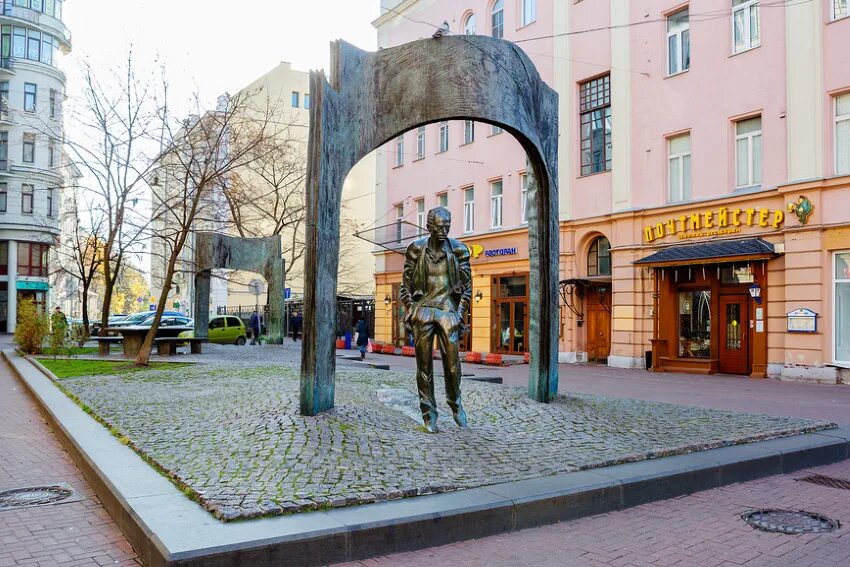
266, 197
199, 158
116, 152
81, 251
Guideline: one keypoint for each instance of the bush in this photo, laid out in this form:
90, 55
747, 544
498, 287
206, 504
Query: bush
33, 326
78, 334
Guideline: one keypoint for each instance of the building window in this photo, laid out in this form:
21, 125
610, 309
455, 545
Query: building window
4, 196
495, 129
420, 216
30, 91
840, 9
32, 259
51, 153
52, 103
19, 43
420, 142
307, 101
599, 258
47, 49
399, 151
745, 24
695, 323
679, 168
842, 134
36, 5
678, 42
443, 199
469, 209
497, 19
842, 306
33, 45
4, 100
529, 11
468, 131
595, 109
4, 151
496, 203
523, 179
26, 198
444, 136
399, 222
51, 194
748, 153
469, 25
29, 148
294, 101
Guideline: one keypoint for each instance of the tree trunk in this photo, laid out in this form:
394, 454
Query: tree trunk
86, 309
144, 356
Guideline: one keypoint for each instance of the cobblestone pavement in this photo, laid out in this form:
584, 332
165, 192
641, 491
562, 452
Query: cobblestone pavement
73, 534
229, 431
700, 530
735, 393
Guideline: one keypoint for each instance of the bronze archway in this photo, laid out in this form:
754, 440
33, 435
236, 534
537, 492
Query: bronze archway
258, 255
374, 97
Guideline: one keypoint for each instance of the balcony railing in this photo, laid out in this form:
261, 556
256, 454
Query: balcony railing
37, 18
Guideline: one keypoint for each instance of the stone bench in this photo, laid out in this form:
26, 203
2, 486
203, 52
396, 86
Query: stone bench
167, 346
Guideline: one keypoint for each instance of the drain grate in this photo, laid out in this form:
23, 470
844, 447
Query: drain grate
829, 481
790, 521
28, 496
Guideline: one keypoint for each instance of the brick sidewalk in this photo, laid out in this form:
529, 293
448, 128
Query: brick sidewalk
73, 534
703, 529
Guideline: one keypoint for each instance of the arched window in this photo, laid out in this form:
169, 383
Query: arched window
497, 19
599, 258
469, 25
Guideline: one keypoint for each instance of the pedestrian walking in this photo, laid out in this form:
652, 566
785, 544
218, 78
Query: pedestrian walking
362, 337
59, 322
255, 324
295, 324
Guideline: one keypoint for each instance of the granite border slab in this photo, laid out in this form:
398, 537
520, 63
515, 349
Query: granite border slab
168, 529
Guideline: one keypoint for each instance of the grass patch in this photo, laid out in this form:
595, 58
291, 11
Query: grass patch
70, 368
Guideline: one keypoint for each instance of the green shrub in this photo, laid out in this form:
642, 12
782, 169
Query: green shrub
33, 326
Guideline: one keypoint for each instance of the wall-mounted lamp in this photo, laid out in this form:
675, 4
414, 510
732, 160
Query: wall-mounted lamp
387, 299
478, 296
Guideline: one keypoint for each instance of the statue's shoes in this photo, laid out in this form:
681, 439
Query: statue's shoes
431, 428
460, 418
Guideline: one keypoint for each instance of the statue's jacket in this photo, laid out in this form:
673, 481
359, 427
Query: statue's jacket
415, 275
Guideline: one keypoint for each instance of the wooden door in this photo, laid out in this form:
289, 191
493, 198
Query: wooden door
598, 334
734, 348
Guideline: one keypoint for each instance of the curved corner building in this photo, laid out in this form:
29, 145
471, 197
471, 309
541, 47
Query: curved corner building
32, 88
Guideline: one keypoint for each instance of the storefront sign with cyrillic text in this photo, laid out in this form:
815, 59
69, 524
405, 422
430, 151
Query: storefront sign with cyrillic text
714, 223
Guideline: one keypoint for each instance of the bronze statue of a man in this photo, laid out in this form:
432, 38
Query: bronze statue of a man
436, 290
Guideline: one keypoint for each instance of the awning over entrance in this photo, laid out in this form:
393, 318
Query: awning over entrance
710, 253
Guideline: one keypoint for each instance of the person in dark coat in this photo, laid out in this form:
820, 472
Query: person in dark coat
295, 323
362, 337
254, 324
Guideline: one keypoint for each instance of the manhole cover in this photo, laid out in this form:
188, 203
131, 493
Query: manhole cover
28, 496
789, 521
829, 481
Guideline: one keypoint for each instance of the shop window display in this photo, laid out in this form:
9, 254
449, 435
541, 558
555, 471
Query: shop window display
842, 307
695, 324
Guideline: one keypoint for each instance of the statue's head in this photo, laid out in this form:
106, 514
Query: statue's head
439, 223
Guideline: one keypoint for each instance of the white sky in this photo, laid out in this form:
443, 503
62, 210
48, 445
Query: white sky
212, 46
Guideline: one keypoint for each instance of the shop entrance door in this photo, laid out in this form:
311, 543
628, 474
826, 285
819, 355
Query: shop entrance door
598, 326
511, 315
734, 352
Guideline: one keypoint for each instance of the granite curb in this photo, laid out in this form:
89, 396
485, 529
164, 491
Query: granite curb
167, 529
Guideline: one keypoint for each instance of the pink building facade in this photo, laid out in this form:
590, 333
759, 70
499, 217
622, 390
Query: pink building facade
704, 183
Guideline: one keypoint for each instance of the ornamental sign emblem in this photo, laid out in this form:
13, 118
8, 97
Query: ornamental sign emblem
802, 207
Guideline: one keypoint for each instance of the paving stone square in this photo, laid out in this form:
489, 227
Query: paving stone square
229, 433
